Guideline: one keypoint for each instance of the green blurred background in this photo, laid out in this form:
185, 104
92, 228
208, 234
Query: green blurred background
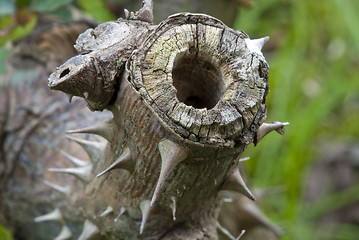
314, 85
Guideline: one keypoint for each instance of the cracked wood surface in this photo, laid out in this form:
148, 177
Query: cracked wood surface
200, 78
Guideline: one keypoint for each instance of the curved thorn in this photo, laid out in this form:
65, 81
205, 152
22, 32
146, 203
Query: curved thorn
127, 13
92, 148
225, 231
55, 215
64, 234
89, 231
173, 207
244, 159
77, 162
83, 173
145, 210
108, 210
171, 155
260, 42
280, 130
63, 190
105, 130
266, 128
254, 214
122, 211
241, 234
125, 161
145, 14
256, 45
236, 183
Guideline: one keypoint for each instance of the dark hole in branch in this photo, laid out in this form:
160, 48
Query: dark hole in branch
199, 83
64, 73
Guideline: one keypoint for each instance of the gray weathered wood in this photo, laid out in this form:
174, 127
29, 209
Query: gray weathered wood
187, 96
192, 81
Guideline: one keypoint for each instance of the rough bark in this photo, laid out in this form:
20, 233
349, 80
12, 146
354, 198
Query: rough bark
33, 120
187, 96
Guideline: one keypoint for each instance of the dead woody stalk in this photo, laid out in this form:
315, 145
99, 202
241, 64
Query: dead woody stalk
187, 97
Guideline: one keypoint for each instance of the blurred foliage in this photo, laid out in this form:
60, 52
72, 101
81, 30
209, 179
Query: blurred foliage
97, 9
19, 17
314, 60
16, 26
3, 55
5, 234
47, 5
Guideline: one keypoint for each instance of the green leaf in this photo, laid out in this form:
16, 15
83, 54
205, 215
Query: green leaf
18, 31
22, 3
5, 234
63, 13
6, 21
97, 9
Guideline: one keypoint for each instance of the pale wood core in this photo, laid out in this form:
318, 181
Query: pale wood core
198, 82
201, 79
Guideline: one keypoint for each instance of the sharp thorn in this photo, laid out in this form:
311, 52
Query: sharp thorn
241, 234
225, 231
55, 215
171, 155
77, 162
105, 130
64, 234
145, 210
260, 42
280, 130
70, 96
108, 210
127, 13
63, 190
145, 14
254, 214
236, 183
83, 173
86, 95
256, 45
125, 161
173, 207
122, 211
244, 159
266, 128
92, 148
89, 231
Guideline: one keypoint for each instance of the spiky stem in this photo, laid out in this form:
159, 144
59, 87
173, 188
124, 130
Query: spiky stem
189, 102
187, 97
